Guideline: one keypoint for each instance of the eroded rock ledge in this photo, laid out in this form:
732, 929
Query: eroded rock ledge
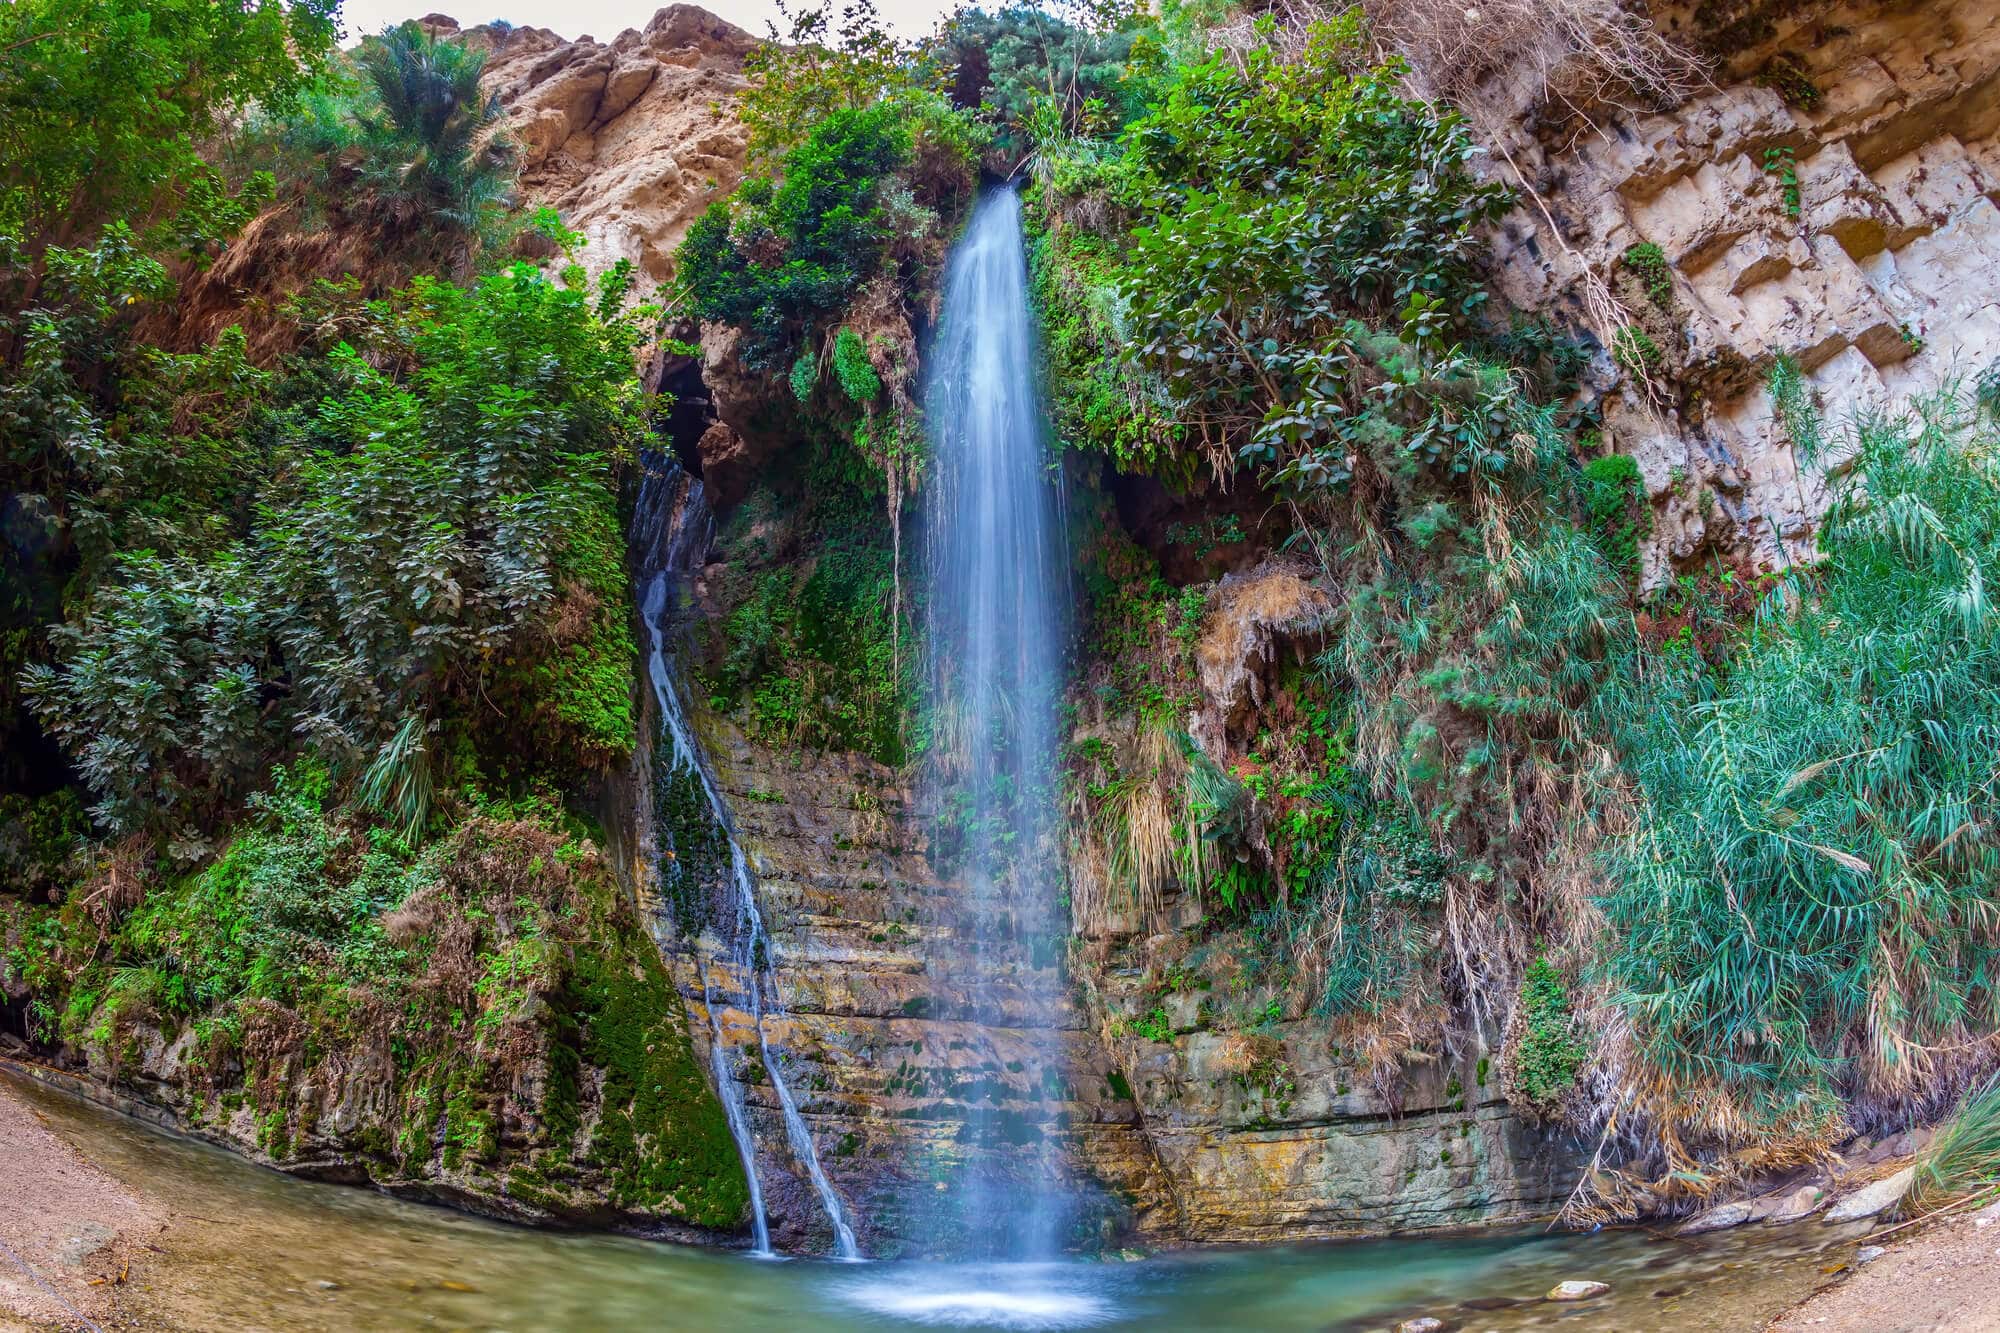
1878, 276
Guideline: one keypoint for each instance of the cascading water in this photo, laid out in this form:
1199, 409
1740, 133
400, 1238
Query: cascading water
672, 530
997, 599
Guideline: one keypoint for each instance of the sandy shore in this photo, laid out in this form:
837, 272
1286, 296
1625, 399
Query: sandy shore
1939, 1278
72, 1235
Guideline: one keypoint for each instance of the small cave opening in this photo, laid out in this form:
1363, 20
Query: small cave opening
14, 1020
688, 410
1198, 535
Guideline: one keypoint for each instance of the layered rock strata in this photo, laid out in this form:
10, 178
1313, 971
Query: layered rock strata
1830, 198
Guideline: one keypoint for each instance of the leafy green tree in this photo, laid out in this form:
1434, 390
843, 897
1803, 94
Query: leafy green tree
817, 65
1309, 268
1020, 62
103, 104
107, 445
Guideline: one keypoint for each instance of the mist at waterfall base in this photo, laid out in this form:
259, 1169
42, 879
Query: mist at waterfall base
997, 600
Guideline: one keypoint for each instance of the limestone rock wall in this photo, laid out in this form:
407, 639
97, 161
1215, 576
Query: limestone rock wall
1882, 281
1201, 1136
877, 1039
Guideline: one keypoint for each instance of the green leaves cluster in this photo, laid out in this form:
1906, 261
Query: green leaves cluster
785, 257
1298, 207
1032, 74
1548, 1051
103, 104
826, 220
410, 541
1615, 508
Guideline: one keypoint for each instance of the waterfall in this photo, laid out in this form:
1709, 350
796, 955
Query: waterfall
998, 600
672, 530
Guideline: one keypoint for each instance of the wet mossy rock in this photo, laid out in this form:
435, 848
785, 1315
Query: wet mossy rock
486, 1023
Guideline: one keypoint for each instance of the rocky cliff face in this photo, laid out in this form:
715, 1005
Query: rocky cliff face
1182, 1134
629, 140
1830, 198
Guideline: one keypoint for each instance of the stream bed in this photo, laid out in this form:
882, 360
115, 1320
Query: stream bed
251, 1248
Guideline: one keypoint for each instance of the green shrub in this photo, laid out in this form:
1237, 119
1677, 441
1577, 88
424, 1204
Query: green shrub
1309, 265
38, 836
1635, 351
826, 218
427, 523
1005, 63
804, 377
857, 377
1649, 263
1615, 508
1803, 877
1549, 1051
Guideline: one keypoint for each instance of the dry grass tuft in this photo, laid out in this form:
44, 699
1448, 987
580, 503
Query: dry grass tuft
1700, 1143
1578, 56
1964, 1158
1496, 58
1126, 853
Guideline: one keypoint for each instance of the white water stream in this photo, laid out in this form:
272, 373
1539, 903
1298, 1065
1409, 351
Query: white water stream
998, 615
672, 530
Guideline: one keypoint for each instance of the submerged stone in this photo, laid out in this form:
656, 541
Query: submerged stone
1717, 1218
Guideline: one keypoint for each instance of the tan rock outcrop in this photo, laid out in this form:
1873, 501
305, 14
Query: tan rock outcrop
1260, 618
629, 140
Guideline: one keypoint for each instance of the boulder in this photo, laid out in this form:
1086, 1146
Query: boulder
1869, 1200
1717, 1218
1578, 1290
1421, 1324
1802, 1202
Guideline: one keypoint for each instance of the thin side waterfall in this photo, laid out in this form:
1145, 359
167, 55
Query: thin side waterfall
998, 603
672, 529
